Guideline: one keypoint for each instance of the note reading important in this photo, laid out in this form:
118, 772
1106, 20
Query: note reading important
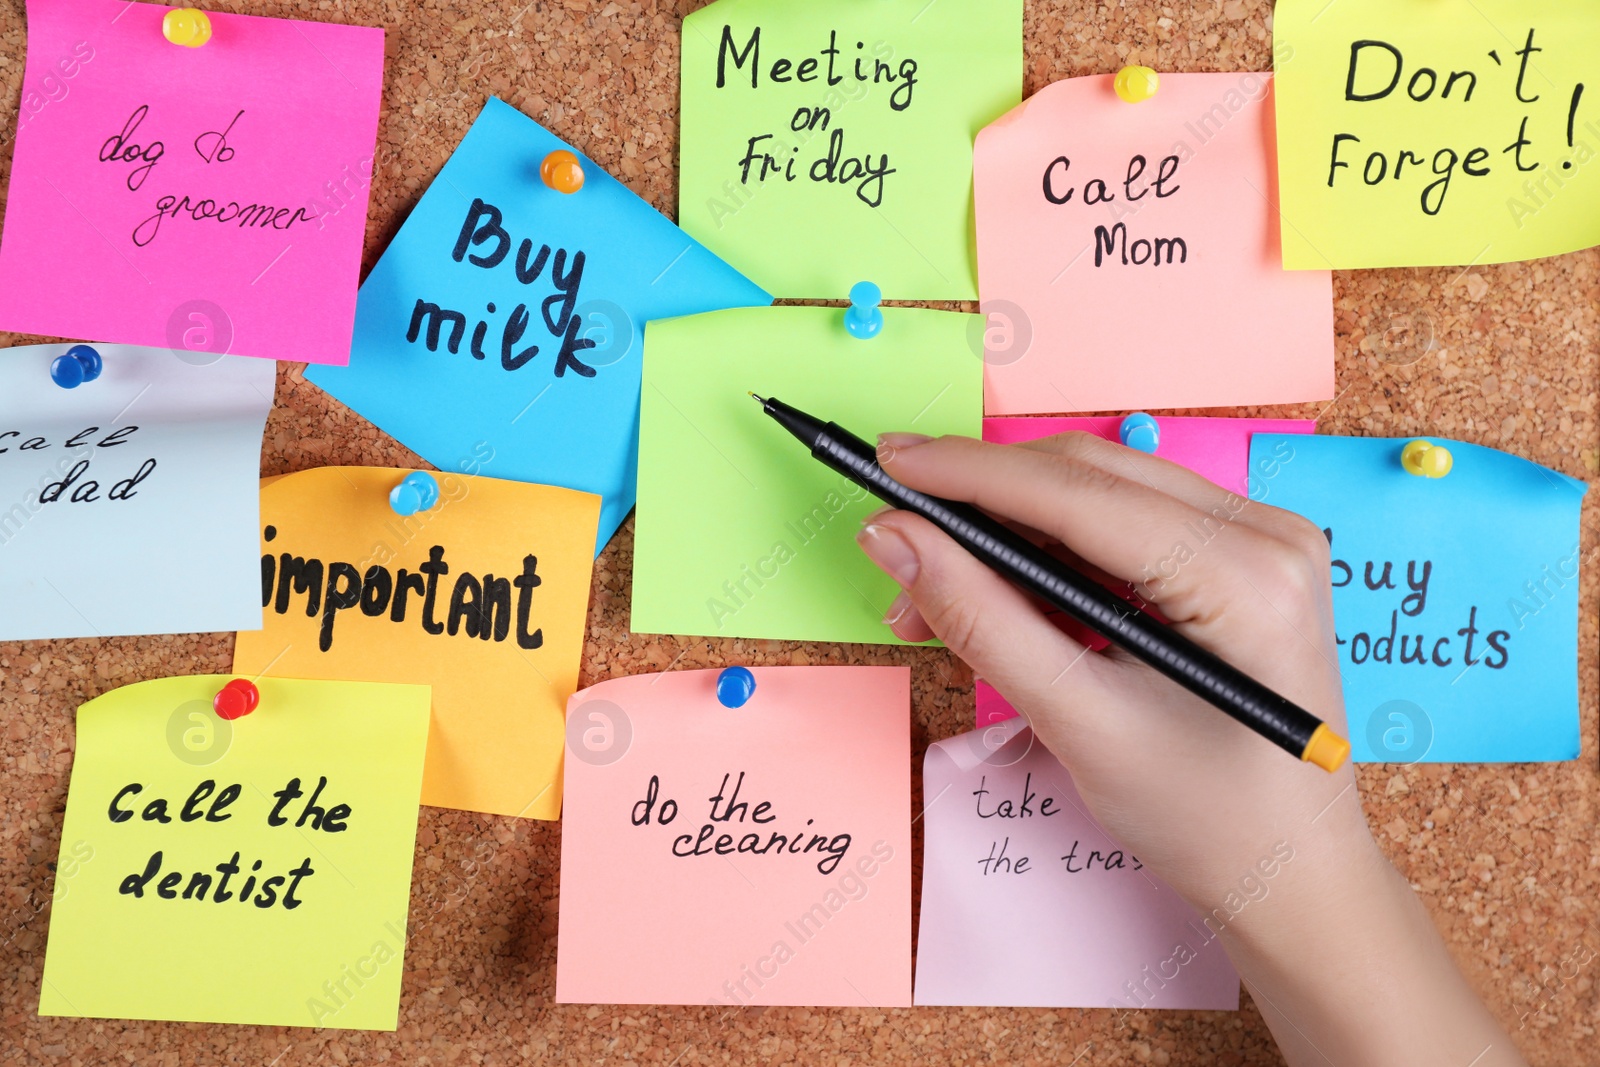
481, 597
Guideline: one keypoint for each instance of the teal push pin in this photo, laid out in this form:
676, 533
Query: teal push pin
1140, 431
80, 364
863, 320
735, 687
417, 491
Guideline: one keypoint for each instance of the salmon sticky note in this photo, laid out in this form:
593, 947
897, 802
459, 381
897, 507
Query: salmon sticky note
1449, 133
1455, 599
128, 504
254, 871
1128, 253
738, 856
829, 142
740, 533
1026, 902
483, 597
213, 199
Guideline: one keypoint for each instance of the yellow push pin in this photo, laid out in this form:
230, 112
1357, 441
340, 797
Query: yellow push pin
1426, 459
186, 26
1134, 84
562, 172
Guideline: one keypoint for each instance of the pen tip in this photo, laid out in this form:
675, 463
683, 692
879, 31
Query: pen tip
758, 399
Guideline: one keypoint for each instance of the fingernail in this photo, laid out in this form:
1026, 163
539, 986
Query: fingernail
889, 444
876, 514
897, 610
890, 550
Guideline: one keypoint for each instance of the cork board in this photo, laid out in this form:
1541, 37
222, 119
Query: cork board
1503, 856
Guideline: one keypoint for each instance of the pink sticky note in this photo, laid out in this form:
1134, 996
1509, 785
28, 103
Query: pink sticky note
1128, 254
1026, 902
1216, 449
752, 855
209, 199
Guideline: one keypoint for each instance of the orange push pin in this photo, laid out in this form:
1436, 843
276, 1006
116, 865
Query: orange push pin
236, 699
1426, 459
186, 26
1134, 84
562, 172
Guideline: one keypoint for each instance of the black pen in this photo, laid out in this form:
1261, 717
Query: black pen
1029, 567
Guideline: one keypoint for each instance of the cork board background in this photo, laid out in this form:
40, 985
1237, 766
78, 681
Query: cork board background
1504, 856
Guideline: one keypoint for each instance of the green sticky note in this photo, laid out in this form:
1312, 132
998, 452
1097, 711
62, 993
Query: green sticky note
248, 871
830, 142
739, 532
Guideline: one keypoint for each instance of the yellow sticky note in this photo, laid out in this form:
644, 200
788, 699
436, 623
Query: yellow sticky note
483, 597
1448, 132
253, 871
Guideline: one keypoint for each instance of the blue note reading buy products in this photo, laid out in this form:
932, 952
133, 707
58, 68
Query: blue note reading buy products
502, 330
1455, 599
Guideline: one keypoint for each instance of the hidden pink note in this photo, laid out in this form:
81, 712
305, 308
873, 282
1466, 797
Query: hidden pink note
738, 856
1217, 449
208, 200
1027, 902
1128, 254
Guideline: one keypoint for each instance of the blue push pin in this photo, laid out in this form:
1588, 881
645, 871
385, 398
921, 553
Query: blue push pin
80, 364
735, 687
1139, 431
416, 492
864, 320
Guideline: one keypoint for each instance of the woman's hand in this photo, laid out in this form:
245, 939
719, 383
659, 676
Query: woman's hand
1337, 952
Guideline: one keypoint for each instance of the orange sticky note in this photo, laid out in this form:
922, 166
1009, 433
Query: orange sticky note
752, 855
483, 597
1128, 254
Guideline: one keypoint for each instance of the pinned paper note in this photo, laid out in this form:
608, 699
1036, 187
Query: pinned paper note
1455, 599
738, 856
831, 142
1215, 449
1128, 253
214, 199
1026, 902
128, 504
740, 532
248, 871
501, 332
1456, 132
483, 597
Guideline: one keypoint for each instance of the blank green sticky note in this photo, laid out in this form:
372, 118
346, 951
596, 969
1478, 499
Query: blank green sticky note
248, 871
827, 142
739, 532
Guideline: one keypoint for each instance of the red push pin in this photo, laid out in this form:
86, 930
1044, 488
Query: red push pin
236, 699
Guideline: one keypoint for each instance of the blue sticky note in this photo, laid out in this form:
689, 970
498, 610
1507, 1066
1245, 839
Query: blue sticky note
485, 344
1455, 599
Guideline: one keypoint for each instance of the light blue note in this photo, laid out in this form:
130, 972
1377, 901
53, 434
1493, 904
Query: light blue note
485, 345
1455, 600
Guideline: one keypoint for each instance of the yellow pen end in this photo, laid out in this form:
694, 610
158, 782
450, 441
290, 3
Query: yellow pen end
1326, 749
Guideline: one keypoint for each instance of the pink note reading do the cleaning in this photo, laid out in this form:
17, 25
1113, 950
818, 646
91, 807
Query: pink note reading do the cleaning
209, 199
1128, 254
1026, 902
738, 856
